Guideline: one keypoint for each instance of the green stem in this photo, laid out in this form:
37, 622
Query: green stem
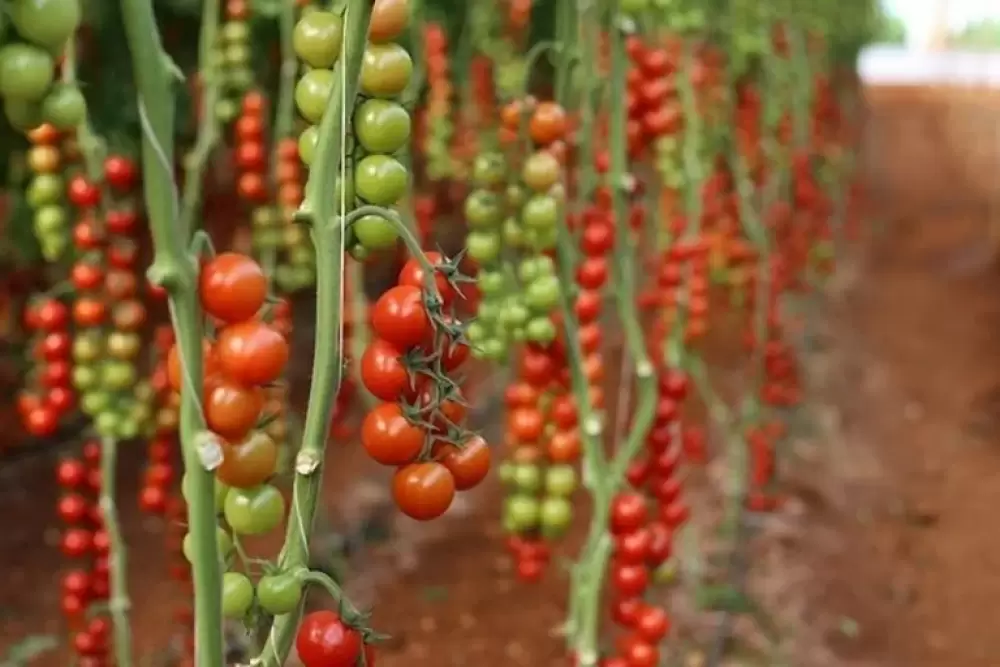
119, 603
349, 612
176, 270
208, 125
328, 237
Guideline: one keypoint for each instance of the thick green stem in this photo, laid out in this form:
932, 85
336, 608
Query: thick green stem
328, 237
119, 603
175, 269
208, 124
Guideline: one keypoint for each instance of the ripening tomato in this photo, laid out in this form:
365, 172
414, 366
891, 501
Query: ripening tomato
548, 123
324, 640
383, 372
468, 464
400, 318
526, 424
232, 409
232, 287
252, 352
423, 491
389, 437
249, 463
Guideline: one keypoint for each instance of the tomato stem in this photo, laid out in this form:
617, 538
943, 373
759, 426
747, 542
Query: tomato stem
208, 123
327, 373
175, 269
119, 603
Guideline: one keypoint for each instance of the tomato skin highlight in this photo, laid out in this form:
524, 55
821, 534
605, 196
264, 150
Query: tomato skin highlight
232, 287
389, 438
324, 640
423, 491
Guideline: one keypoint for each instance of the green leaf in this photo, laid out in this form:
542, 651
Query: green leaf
29, 648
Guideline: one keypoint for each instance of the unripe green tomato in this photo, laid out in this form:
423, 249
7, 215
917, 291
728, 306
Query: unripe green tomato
483, 247
87, 348
375, 233
235, 32
124, 346
50, 220
540, 212
528, 477
493, 349
560, 480
515, 195
26, 72
312, 94
237, 595
491, 282
279, 593
380, 180
385, 70
85, 378
488, 312
555, 515
128, 428
534, 267
506, 471
489, 170
106, 423
382, 126
308, 141
226, 110
482, 210
476, 333
513, 233
64, 107
317, 38
540, 330
93, 402
514, 314
254, 511
118, 375
23, 115
542, 294
47, 23
521, 512
237, 56
45, 189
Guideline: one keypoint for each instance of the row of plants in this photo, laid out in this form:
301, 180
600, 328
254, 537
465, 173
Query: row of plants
557, 184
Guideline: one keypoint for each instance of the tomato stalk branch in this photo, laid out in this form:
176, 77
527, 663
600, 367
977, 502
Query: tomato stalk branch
175, 269
208, 124
119, 604
328, 238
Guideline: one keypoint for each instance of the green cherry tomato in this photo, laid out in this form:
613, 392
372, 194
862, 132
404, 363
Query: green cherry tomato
513, 233
382, 126
374, 233
235, 32
50, 219
476, 332
21, 114
482, 209
47, 23
528, 477
493, 349
237, 595
506, 473
128, 428
45, 189
489, 170
521, 512
94, 402
380, 180
514, 314
385, 70
254, 511
540, 330
515, 195
312, 94
26, 72
85, 378
279, 593
118, 375
308, 141
542, 294
560, 480
317, 38
491, 282
540, 212
555, 515
483, 247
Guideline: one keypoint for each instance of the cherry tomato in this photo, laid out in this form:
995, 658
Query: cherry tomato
279, 593
423, 491
237, 595
628, 513
385, 70
413, 274
254, 511
120, 172
324, 640
389, 438
232, 287
231, 409
388, 21
252, 352
249, 463
468, 464
383, 372
547, 124
317, 38
400, 318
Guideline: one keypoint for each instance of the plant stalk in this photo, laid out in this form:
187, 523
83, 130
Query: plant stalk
119, 604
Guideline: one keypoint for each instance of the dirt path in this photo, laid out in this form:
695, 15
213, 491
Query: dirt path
898, 546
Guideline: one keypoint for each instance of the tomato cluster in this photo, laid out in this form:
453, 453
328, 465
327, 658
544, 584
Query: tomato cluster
437, 106
85, 541
418, 425
108, 310
48, 394
297, 263
46, 191
233, 59
29, 91
250, 151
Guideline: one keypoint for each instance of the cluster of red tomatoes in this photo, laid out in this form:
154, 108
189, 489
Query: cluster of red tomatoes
418, 425
436, 116
641, 544
250, 152
48, 395
84, 540
653, 108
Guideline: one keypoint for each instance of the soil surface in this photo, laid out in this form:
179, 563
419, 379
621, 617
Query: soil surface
886, 555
